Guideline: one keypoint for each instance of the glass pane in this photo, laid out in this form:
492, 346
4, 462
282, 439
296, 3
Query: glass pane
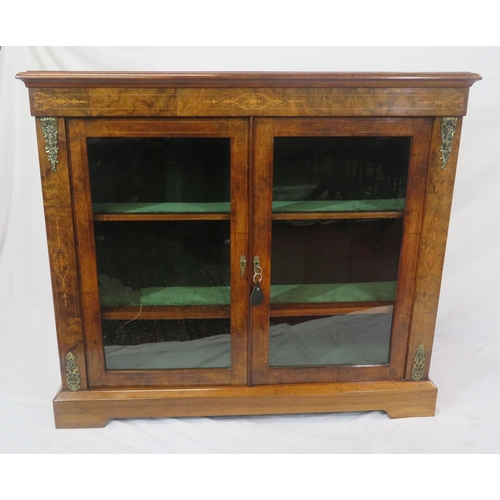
361, 338
167, 344
159, 174
340, 173
170, 268
333, 266
163, 262
353, 251
341, 273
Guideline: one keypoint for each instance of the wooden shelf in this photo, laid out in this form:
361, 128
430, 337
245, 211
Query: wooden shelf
327, 309
161, 211
338, 209
282, 210
286, 300
218, 312
165, 312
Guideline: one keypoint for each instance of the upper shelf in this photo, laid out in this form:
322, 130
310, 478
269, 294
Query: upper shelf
346, 208
136, 208
161, 211
281, 210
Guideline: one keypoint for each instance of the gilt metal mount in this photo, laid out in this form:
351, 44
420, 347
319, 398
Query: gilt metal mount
72, 374
243, 265
51, 136
448, 127
418, 369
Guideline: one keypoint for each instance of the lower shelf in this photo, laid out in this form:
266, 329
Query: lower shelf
85, 409
113, 294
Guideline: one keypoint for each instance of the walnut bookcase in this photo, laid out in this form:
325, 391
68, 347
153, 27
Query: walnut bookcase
245, 243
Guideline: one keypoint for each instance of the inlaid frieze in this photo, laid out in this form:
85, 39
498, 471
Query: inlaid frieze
319, 102
238, 101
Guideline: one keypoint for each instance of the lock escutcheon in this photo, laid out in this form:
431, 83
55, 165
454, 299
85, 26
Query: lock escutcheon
257, 270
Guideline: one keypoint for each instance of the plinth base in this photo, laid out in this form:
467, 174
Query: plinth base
93, 408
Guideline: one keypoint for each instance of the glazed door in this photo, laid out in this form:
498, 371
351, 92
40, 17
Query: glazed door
161, 213
337, 214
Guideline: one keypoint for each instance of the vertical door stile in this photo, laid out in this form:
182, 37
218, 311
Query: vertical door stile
239, 248
249, 242
417, 180
261, 243
86, 254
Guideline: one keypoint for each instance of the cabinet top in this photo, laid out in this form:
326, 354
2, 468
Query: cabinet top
41, 79
88, 94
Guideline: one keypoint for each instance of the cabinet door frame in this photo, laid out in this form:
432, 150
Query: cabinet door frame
237, 131
264, 132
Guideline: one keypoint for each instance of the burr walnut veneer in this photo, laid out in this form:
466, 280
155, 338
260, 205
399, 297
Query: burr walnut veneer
245, 243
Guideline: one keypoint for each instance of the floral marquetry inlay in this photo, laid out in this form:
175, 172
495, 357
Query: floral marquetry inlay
60, 264
42, 101
456, 101
251, 101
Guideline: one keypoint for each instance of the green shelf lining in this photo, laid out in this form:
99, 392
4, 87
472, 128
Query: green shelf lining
394, 205
118, 296
160, 208
225, 207
165, 296
333, 292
